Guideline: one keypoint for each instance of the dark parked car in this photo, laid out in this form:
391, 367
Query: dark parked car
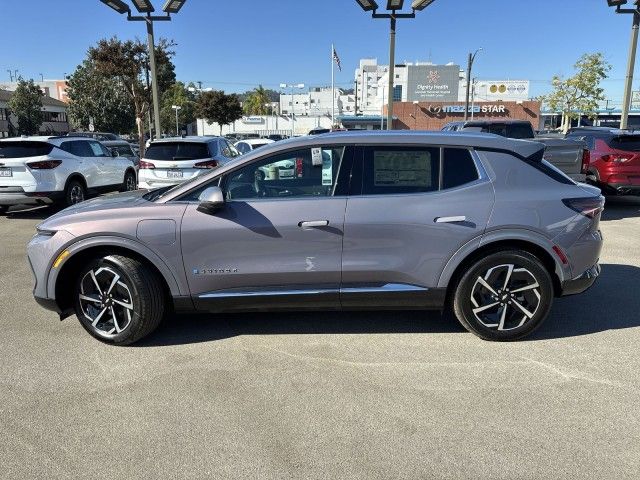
615, 158
399, 220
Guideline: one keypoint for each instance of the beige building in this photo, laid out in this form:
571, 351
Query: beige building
55, 117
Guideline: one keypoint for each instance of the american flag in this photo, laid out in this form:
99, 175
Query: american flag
337, 59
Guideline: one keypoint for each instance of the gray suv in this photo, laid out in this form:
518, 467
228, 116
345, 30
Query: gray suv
397, 220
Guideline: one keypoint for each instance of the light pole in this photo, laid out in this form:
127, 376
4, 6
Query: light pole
393, 6
146, 7
415, 114
624, 118
176, 108
473, 97
472, 57
292, 86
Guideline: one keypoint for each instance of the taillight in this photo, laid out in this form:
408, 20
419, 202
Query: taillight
207, 164
587, 206
586, 161
44, 164
617, 157
147, 165
299, 171
561, 255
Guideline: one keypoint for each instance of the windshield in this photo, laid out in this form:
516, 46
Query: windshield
177, 151
24, 149
629, 143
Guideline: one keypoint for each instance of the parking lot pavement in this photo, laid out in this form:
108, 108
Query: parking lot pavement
326, 395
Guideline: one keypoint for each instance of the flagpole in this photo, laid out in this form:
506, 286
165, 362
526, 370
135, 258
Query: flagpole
333, 92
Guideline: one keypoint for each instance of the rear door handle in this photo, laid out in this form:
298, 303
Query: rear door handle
458, 218
313, 223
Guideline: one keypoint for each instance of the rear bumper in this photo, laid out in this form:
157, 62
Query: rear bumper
582, 282
24, 198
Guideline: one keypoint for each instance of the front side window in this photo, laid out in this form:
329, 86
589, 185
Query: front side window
307, 172
396, 170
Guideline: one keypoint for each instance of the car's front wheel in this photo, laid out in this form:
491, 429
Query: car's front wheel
74, 192
119, 300
504, 296
130, 183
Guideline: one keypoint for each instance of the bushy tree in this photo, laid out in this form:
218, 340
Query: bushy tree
177, 94
26, 104
257, 103
216, 106
127, 62
581, 92
102, 98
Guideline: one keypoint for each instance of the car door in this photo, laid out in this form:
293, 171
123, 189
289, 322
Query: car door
278, 241
110, 169
87, 163
417, 206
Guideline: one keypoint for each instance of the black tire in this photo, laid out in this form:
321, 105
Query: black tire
75, 192
485, 320
4, 209
130, 182
136, 299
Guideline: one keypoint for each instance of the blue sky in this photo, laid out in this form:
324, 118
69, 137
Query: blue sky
236, 45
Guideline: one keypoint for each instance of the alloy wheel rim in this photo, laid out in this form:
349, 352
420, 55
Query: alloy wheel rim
106, 302
505, 297
76, 194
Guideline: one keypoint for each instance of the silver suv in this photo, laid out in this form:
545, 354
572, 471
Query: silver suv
400, 220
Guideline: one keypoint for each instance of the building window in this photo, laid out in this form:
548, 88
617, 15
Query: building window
397, 93
3, 113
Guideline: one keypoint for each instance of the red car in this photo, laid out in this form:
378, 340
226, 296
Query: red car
615, 158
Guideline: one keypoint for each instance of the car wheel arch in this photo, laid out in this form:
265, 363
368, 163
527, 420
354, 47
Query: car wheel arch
80, 253
75, 176
480, 247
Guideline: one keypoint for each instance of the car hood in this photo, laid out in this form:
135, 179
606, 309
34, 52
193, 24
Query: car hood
100, 204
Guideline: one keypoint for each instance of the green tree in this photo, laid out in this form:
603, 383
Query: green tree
127, 63
581, 92
101, 98
257, 103
177, 94
26, 104
216, 106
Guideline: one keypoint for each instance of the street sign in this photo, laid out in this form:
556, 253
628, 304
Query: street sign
91, 126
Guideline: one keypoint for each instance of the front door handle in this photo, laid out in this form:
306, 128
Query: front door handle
313, 223
457, 218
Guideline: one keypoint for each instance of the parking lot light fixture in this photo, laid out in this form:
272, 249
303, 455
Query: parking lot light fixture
292, 86
118, 5
616, 3
394, 4
421, 4
368, 5
144, 6
173, 6
176, 108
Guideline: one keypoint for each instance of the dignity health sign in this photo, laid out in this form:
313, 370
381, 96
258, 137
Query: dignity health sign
433, 82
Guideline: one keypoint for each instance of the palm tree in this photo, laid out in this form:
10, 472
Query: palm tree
256, 103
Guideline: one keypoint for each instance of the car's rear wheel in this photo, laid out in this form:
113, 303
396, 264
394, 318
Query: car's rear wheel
74, 192
119, 300
130, 183
504, 296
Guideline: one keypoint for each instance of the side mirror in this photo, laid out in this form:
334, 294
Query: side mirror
211, 200
115, 153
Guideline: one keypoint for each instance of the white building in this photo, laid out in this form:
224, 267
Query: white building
51, 88
55, 116
315, 102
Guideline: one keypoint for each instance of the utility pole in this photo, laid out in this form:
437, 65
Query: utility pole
472, 57
10, 75
356, 97
631, 61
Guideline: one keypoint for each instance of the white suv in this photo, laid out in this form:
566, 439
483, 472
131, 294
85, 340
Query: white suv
43, 170
169, 161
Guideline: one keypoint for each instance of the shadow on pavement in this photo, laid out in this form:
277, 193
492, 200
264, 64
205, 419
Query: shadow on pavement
612, 303
617, 208
35, 213
183, 329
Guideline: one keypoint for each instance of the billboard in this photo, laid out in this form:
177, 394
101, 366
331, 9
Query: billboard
506, 90
433, 82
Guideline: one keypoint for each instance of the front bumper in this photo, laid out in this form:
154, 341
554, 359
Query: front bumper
582, 282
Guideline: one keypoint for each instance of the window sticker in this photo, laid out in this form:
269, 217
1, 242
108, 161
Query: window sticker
316, 157
402, 169
327, 167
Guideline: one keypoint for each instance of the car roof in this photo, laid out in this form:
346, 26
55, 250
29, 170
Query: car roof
189, 139
256, 141
114, 143
34, 138
477, 123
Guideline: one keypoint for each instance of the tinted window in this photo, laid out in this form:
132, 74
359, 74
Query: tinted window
458, 168
99, 150
629, 143
308, 172
24, 149
495, 129
79, 148
243, 147
389, 170
177, 151
123, 150
519, 130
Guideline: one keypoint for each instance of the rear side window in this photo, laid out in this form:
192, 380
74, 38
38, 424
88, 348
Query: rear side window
24, 149
519, 131
79, 148
629, 143
177, 151
393, 170
458, 168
